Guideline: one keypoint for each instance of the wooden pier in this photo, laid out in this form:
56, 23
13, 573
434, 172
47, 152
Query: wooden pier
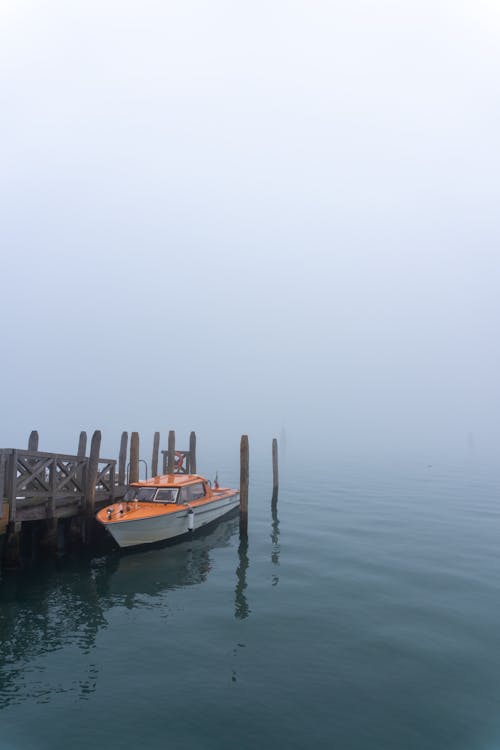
37, 486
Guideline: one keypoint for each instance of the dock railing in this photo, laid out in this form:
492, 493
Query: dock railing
38, 485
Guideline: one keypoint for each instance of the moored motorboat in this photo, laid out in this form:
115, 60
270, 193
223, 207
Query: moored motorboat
166, 507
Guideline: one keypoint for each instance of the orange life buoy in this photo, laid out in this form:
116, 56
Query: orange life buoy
179, 459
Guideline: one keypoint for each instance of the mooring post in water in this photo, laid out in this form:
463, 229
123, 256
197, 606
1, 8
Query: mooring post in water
171, 452
122, 459
154, 457
133, 474
91, 481
82, 444
244, 463
275, 471
192, 453
33, 441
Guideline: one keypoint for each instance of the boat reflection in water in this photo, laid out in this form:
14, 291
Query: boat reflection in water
66, 604
154, 571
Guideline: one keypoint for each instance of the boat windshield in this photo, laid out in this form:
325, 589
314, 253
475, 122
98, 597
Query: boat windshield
146, 494
167, 495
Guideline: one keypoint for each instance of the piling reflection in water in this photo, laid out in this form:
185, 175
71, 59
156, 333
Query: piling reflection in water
241, 608
65, 604
275, 536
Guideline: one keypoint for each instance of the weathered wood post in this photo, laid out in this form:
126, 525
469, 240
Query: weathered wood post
122, 459
192, 453
32, 446
171, 452
275, 471
81, 451
244, 473
82, 444
154, 457
33, 441
90, 483
133, 475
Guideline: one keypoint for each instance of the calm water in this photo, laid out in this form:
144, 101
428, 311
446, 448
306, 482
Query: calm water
365, 613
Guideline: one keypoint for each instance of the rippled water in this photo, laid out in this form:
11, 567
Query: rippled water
363, 613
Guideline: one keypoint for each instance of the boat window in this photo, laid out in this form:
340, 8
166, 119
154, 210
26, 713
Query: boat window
192, 492
146, 494
167, 495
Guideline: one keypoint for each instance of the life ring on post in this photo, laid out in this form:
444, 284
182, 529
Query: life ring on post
179, 460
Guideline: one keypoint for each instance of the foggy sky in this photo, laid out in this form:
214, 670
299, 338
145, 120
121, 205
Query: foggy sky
243, 217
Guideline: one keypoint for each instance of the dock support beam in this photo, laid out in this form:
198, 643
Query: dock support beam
12, 548
244, 473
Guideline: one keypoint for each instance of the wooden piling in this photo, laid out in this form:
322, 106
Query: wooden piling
171, 452
33, 441
90, 483
122, 459
133, 475
192, 453
82, 444
91, 473
154, 457
275, 470
244, 474
81, 451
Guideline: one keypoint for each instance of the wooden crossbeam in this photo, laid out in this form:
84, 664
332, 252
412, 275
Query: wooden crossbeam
31, 472
69, 475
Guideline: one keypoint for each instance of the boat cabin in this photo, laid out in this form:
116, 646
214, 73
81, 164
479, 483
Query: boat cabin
178, 489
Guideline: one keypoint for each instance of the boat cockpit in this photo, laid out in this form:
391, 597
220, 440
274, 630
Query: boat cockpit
174, 495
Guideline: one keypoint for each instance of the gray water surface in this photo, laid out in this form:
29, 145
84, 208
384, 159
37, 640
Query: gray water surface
362, 613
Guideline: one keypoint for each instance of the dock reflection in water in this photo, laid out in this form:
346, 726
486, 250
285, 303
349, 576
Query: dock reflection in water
67, 603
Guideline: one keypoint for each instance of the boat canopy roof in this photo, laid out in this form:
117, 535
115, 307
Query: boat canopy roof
169, 480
